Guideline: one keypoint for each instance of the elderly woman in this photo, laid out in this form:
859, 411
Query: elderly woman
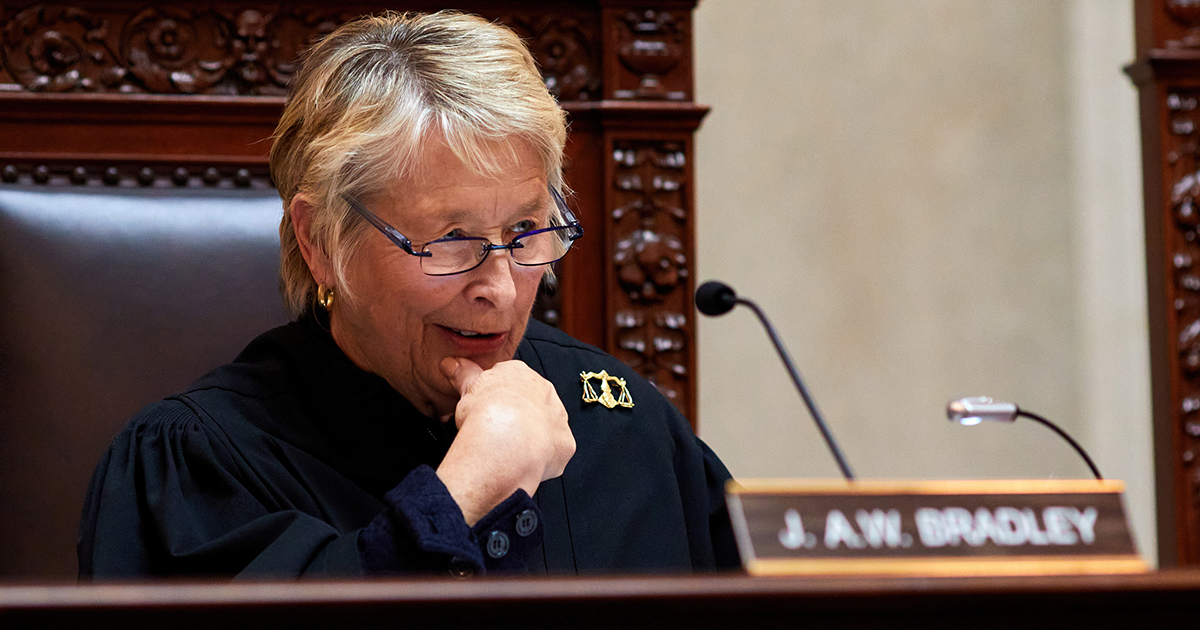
411, 418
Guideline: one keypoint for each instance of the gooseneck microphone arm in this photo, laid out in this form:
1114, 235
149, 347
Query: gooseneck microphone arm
808, 401
715, 298
1063, 435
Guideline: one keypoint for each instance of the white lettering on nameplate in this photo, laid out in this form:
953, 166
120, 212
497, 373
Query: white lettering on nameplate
793, 536
1005, 526
876, 529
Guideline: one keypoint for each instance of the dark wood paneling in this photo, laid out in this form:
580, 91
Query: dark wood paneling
1167, 73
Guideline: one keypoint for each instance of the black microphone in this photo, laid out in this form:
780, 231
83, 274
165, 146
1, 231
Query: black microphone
972, 411
717, 298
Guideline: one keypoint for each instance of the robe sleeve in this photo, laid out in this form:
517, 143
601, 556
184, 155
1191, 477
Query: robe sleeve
173, 497
724, 545
702, 477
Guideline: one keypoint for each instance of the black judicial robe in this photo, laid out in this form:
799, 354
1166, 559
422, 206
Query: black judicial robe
291, 461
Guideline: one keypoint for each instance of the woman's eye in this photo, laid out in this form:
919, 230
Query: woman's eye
455, 233
527, 225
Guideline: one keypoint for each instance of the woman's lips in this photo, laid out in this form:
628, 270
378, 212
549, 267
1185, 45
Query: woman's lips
470, 342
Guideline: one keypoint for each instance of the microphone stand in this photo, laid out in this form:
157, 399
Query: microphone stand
808, 401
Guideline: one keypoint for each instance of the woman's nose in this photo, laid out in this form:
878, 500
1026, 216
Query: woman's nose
494, 281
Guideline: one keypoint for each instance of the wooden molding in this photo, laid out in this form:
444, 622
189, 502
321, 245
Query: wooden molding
241, 48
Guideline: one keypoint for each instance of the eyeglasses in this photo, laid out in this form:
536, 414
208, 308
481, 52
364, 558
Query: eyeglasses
459, 254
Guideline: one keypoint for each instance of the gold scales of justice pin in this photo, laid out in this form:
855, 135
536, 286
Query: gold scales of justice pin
606, 395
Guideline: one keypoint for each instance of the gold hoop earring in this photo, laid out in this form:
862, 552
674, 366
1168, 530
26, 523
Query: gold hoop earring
325, 297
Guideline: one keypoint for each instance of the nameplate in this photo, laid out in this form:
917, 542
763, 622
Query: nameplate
932, 528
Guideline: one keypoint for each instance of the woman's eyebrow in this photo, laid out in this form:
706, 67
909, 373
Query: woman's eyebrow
459, 215
532, 206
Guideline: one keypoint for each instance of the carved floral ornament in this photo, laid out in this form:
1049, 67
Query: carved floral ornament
655, 349
650, 259
653, 46
174, 50
650, 265
564, 50
160, 49
655, 176
55, 49
225, 49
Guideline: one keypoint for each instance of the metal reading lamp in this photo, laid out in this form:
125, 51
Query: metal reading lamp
972, 411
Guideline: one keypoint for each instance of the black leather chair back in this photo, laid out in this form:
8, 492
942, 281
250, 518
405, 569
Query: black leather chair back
111, 299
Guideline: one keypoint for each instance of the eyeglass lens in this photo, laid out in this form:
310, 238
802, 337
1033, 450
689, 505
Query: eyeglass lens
457, 255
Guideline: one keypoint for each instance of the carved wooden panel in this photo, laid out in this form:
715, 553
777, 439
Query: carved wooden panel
161, 49
246, 48
1183, 292
1167, 73
648, 50
566, 47
651, 254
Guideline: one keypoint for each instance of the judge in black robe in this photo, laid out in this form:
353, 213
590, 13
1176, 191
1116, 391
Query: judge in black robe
292, 461
403, 421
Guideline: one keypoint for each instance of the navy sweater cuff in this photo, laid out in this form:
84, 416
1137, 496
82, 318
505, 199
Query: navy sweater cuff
423, 530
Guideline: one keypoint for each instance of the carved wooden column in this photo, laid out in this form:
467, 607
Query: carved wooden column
1167, 73
649, 196
627, 287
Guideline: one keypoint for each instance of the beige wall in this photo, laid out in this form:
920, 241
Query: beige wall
933, 199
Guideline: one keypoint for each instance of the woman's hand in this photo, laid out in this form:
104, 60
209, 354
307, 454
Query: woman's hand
512, 433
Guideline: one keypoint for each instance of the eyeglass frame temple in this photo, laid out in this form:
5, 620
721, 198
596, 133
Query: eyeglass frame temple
392, 233
568, 216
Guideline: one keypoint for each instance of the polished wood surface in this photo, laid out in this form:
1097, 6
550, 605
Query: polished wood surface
1150, 600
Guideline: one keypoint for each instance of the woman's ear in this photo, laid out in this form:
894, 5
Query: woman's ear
319, 265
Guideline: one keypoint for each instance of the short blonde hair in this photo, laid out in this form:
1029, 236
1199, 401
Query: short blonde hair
368, 96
